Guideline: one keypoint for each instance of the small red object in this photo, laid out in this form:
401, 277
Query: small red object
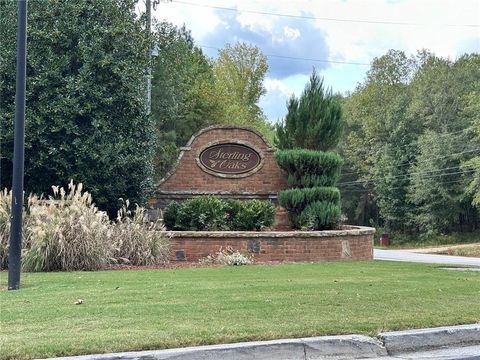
384, 240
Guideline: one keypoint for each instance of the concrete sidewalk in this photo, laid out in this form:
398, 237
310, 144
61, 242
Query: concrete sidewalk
455, 342
402, 255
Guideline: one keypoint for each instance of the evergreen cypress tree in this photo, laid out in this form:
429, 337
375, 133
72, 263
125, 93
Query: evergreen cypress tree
312, 126
314, 121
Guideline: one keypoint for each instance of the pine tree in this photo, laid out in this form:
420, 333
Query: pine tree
314, 121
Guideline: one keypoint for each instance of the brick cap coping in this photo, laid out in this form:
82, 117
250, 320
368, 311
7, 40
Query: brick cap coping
346, 231
241, 194
227, 127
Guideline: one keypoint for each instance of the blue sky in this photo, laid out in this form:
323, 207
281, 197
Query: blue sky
327, 35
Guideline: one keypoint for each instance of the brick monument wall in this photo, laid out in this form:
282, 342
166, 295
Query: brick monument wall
349, 243
189, 178
234, 162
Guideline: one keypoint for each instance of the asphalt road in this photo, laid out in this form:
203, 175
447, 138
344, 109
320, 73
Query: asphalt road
400, 255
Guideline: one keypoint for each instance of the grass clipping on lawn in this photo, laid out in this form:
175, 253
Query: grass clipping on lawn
155, 309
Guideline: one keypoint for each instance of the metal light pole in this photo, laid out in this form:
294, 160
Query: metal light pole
15, 250
149, 70
149, 4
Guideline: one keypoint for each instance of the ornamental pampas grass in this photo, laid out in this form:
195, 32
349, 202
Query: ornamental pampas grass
5, 218
67, 232
137, 241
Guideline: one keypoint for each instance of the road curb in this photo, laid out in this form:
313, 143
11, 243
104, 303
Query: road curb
314, 348
345, 346
425, 339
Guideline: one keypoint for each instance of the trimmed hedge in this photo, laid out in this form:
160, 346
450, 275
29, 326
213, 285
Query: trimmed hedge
254, 215
310, 168
298, 199
205, 213
210, 213
170, 215
320, 215
313, 203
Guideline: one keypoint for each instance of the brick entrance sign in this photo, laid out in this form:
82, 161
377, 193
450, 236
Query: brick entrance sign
223, 161
235, 162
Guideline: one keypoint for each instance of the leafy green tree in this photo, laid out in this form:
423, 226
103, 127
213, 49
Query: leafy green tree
314, 121
183, 93
380, 141
406, 143
437, 184
85, 112
239, 73
438, 181
472, 110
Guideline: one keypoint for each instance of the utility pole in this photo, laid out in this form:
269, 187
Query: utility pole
15, 250
149, 5
149, 70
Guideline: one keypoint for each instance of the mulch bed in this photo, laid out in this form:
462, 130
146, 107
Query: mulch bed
170, 265
179, 265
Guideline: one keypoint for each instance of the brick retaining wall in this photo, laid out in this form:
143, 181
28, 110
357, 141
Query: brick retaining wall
349, 243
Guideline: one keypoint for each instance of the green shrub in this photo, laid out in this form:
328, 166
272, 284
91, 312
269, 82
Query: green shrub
254, 215
137, 241
320, 215
203, 213
209, 213
232, 208
308, 168
297, 199
170, 215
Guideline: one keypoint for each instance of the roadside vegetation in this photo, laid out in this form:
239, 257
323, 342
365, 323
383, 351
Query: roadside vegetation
68, 232
412, 146
409, 133
155, 309
470, 251
413, 241
212, 213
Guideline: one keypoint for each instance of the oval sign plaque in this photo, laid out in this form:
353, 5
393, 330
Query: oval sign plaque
229, 159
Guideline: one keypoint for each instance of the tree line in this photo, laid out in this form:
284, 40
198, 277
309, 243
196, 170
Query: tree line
86, 108
410, 134
412, 144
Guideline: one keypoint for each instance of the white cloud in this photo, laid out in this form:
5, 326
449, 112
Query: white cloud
429, 19
430, 28
279, 86
274, 101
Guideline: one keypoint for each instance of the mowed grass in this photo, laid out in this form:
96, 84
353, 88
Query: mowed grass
155, 309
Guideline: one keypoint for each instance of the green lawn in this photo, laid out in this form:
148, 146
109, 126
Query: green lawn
153, 309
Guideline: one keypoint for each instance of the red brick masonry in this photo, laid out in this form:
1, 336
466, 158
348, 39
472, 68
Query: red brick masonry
348, 243
189, 179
